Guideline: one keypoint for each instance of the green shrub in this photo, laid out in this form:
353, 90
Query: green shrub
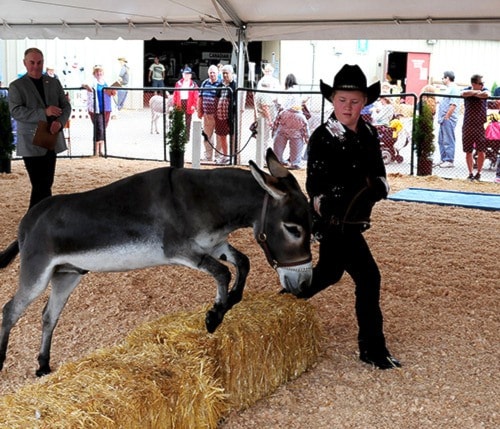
177, 134
423, 132
6, 137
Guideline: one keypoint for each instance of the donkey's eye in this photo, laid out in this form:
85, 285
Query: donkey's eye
294, 230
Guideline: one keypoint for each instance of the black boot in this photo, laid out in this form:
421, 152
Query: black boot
381, 359
309, 292
318, 284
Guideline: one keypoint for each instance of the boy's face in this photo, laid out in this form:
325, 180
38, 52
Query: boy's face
347, 106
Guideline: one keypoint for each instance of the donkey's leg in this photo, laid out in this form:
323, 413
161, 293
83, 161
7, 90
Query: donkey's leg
31, 285
62, 286
222, 277
225, 300
242, 264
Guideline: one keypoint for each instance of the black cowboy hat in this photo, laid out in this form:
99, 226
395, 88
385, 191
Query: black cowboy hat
351, 78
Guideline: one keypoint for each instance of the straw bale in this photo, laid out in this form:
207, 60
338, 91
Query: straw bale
171, 373
184, 331
264, 342
120, 387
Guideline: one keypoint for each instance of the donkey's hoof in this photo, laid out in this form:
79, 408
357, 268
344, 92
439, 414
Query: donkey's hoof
213, 319
43, 370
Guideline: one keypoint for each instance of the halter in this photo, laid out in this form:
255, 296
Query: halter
262, 240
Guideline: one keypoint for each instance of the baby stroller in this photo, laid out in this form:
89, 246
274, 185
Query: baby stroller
492, 146
392, 140
387, 142
491, 154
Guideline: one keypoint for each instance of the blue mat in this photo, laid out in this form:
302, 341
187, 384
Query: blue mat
449, 198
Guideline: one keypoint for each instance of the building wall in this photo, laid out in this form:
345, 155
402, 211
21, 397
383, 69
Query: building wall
73, 61
309, 60
271, 53
312, 60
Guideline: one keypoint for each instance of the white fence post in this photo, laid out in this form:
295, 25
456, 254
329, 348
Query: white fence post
261, 143
195, 156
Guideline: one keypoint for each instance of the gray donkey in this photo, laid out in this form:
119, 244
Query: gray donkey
162, 216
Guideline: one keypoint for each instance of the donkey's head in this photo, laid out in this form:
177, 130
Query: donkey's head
284, 227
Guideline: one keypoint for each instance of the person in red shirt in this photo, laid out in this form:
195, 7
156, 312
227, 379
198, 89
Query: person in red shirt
185, 99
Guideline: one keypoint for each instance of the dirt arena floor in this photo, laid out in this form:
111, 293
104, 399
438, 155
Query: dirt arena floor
440, 297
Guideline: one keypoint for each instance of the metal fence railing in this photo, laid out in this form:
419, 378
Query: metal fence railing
138, 131
468, 129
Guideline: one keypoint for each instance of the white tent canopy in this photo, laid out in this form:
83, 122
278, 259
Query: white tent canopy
255, 20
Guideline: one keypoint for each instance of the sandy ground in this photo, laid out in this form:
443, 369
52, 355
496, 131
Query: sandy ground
440, 297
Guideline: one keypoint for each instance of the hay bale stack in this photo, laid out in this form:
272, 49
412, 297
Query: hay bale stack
171, 373
121, 387
264, 341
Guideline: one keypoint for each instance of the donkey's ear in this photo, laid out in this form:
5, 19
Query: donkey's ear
266, 181
275, 167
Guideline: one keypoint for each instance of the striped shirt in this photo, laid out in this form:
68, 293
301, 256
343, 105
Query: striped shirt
207, 95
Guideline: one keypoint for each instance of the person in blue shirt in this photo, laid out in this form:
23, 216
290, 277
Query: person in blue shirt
123, 80
207, 107
99, 104
447, 119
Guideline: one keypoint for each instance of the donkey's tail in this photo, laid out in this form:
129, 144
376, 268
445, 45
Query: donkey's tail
8, 255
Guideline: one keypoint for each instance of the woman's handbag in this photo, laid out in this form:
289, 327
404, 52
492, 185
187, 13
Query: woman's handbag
492, 131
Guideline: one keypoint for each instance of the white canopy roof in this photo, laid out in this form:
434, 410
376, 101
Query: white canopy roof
253, 20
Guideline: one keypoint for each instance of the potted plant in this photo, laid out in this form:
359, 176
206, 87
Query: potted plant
177, 137
6, 137
423, 137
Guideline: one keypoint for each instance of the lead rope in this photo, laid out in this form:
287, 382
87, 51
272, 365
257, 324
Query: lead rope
262, 237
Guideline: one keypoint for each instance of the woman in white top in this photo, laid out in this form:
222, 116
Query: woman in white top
291, 127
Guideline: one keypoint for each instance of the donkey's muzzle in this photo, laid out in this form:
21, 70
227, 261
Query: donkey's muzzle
296, 278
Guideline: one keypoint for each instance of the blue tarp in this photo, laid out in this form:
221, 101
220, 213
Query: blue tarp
449, 198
